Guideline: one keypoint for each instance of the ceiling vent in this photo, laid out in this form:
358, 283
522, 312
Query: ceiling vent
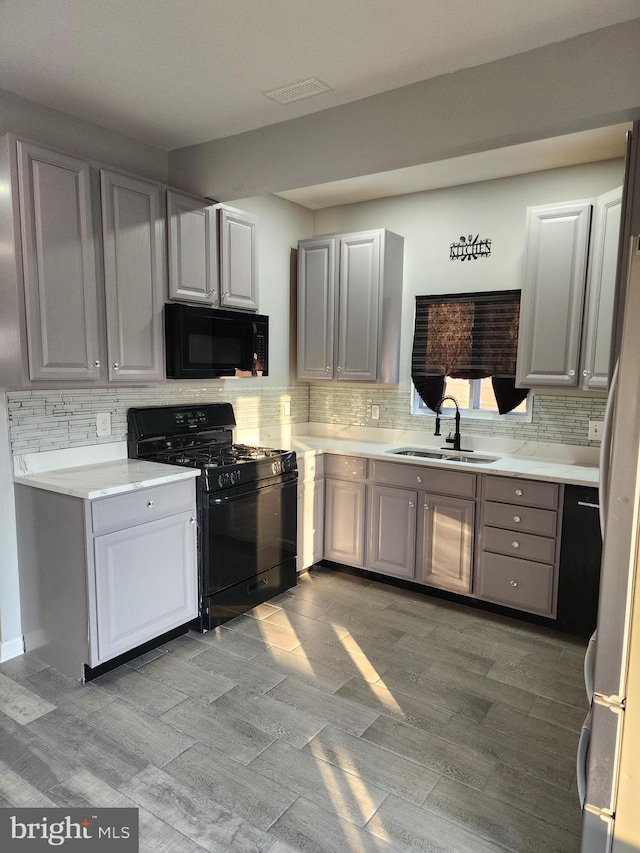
298, 91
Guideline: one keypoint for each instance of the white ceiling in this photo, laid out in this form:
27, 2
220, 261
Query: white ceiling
177, 72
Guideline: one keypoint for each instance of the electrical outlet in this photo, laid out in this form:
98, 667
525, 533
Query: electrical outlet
595, 430
375, 412
103, 424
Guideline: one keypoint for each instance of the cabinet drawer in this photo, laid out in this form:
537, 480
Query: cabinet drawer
143, 505
345, 466
522, 545
437, 480
514, 517
522, 492
517, 583
310, 467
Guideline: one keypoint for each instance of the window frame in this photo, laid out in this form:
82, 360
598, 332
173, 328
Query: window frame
420, 408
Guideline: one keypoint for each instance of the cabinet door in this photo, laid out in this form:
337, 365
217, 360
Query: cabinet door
392, 531
317, 279
344, 522
132, 228
59, 265
193, 249
358, 311
446, 542
238, 260
601, 291
553, 294
310, 523
146, 582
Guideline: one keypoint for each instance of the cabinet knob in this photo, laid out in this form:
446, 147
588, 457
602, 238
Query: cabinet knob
225, 293
586, 373
572, 373
210, 292
418, 479
515, 544
192, 521
513, 583
96, 363
516, 518
328, 369
149, 503
519, 492
411, 504
116, 366
339, 370
426, 506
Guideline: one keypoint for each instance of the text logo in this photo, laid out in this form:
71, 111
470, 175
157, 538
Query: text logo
27, 830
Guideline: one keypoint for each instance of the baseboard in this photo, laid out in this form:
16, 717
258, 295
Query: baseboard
11, 649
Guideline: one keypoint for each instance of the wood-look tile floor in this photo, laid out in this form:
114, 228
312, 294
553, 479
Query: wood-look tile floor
345, 715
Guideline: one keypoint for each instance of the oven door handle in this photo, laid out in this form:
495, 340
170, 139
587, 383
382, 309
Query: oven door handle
239, 492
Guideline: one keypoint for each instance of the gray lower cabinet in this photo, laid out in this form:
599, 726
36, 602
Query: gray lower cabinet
519, 554
58, 261
349, 306
134, 275
193, 249
446, 542
98, 578
238, 234
392, 531
344, 509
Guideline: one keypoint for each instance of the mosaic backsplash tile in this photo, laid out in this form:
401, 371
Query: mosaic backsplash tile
57, 419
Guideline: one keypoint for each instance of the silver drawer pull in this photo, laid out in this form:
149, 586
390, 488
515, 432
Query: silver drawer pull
192, 521
418, 479
516, 544
426, 506
513, 583
411, 504
149, 503
516, 518
96, 363
519, 492
116, 366
572, 373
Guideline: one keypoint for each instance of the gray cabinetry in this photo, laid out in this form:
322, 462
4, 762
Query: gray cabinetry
193, 249
349, 306
133, 237
59, 264
238, 259
553, 294
518, 561
446, 539
567, 298
345, 504
392, 531
98, 578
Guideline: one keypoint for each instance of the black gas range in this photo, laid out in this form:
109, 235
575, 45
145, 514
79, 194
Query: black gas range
246, 498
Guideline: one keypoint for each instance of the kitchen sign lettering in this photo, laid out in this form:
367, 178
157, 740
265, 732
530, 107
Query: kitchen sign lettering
470, 247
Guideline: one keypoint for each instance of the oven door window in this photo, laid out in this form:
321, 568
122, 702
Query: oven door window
246, 534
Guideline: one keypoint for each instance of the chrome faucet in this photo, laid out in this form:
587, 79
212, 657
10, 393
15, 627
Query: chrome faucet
455, 439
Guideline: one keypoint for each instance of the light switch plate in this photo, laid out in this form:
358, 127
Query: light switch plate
375, 412
596, 429
103, 424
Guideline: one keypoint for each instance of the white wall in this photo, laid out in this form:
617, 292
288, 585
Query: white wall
430, 221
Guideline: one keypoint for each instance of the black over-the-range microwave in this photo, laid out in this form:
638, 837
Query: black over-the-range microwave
206, 343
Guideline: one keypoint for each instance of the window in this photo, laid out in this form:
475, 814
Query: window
475, 398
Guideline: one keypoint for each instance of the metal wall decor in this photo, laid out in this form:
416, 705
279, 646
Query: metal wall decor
470, 247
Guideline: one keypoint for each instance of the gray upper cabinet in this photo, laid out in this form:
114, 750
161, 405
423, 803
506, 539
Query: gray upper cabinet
193, 249
553, 294
349, 306
238, 259
59, 265
317, 273
133, 237
601, 291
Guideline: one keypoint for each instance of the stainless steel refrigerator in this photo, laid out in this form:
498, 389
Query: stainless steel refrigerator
607, 660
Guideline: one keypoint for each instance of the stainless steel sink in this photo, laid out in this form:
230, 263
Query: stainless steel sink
446, 456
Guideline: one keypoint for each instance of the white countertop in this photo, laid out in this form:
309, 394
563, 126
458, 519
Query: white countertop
105, 478
526, 465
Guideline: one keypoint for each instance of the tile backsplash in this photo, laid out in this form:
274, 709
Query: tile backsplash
57, 419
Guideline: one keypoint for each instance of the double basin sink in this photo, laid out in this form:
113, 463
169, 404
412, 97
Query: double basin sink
445, 456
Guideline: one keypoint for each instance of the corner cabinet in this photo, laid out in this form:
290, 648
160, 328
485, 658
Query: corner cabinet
349, 306
566, 311
101, 577
134, 276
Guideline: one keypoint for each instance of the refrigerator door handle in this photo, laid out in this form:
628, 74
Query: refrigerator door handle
581, 759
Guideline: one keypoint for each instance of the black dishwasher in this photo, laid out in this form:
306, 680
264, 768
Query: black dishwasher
580, 556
